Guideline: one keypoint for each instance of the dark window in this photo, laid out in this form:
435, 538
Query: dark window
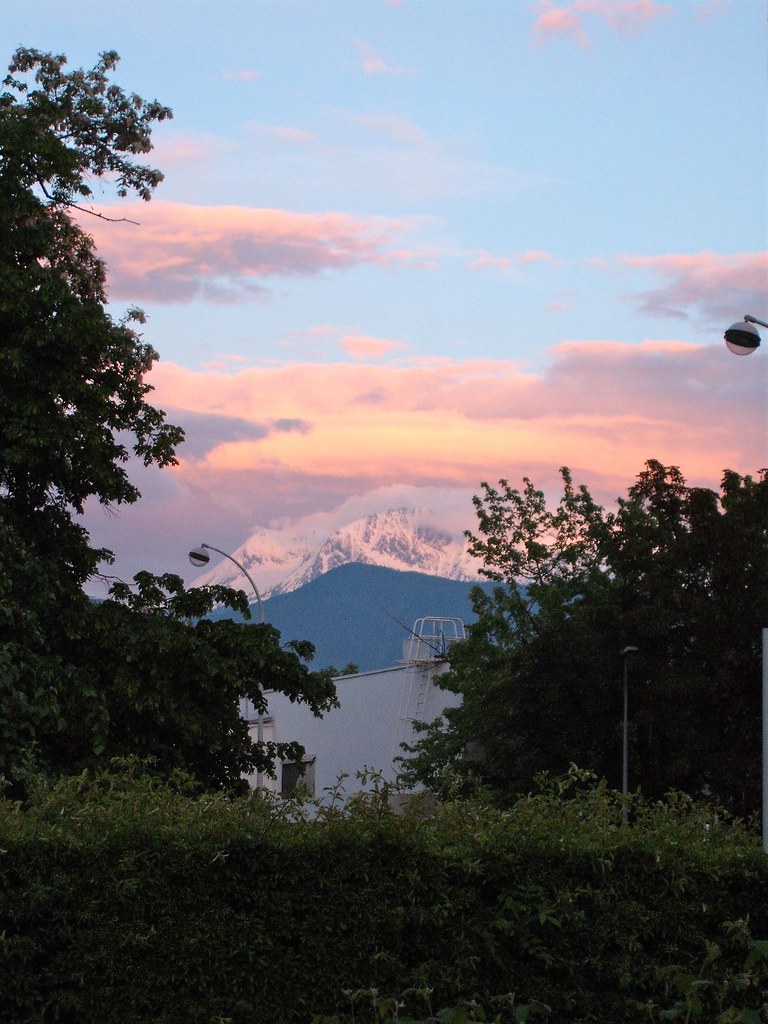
298, 775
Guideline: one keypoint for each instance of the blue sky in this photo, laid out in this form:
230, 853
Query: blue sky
404, 247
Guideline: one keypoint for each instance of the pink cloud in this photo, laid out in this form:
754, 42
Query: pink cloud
182, 149
241, 75
361, 347
224, 362
625, 16
224, 253
556, 21
706, 284
602, 405
318, 331
374, 63
484, 261
535, 256
709, 8
394, 127
272, 444
285, 133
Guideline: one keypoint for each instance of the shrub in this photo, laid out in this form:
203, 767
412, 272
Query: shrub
128, 900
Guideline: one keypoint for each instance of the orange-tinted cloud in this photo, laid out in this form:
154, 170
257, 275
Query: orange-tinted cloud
625, 16
271, 445
360, 347
558, 21
601, 407
223, 253
705, 284
224, 362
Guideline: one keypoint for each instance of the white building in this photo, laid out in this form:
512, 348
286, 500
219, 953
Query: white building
375, 715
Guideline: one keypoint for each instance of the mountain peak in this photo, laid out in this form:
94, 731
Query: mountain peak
400, 538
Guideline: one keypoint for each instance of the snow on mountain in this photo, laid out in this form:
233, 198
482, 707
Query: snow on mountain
281, 560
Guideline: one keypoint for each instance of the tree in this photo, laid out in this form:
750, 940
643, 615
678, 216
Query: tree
679, 572
144, 673
73, 386
159, 680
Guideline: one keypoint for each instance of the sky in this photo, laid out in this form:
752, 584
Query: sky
406, 246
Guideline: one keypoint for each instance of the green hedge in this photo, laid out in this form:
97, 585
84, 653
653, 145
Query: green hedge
128, 901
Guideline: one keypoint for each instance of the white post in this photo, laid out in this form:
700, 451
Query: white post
625, 739
765, 741
741, 342
625, 748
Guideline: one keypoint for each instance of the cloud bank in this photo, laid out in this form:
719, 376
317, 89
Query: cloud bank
231, 254
270, 446
705, 284
603, 405
180, 252
624, 16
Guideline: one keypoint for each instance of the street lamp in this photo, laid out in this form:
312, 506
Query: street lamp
625, 738
743, 338
200, 557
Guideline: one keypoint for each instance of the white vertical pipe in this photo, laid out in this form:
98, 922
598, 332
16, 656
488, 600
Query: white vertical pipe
625, 747
765, 741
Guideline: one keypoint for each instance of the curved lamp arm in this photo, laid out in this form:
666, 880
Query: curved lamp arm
243, 570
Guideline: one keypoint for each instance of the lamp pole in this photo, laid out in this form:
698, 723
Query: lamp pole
742, 339
625, 738
200, 557
765, 740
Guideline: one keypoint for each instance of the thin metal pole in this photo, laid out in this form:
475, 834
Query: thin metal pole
754, 320
245, 573
625, 748
765, 741
625, 739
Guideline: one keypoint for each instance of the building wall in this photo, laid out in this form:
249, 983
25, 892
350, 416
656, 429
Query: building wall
365, 731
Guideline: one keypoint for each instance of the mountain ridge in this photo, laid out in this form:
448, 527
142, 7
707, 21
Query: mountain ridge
363, 614
402, 539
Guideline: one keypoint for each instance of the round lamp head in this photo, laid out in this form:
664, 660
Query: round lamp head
742, 338
199, 557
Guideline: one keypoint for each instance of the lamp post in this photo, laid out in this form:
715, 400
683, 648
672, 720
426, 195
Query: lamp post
742, 339
200, 557
625, 737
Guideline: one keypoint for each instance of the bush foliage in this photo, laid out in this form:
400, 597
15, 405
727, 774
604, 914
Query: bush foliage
129, 900
677, 575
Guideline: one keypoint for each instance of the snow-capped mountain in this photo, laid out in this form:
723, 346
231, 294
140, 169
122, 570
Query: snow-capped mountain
281, 560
